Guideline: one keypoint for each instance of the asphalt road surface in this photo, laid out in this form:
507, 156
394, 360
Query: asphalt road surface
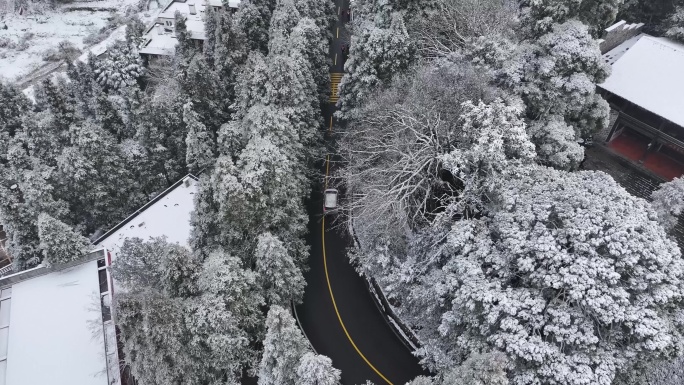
338, 314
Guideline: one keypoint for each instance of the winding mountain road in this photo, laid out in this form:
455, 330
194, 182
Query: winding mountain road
338, 314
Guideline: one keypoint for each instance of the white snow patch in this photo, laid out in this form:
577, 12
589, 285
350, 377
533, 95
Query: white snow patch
170, 217
71, 22
101, 47
55, 330
650, 75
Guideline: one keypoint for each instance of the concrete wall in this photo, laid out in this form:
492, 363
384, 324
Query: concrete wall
618, 33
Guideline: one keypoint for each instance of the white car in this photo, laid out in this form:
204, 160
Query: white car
329, 201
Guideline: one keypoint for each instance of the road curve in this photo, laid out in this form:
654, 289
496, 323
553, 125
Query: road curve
338, 313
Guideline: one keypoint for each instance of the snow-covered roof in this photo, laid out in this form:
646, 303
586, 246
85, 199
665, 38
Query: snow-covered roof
159, 44
616, 53
166, 215
55, 334
649, 72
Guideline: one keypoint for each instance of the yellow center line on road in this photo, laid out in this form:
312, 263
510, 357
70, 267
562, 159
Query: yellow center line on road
335, 59
329, 130
327, 278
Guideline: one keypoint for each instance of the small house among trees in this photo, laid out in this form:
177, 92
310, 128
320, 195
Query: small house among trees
160, 38
644, 91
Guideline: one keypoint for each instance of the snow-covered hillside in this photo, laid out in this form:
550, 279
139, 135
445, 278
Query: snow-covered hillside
27, 36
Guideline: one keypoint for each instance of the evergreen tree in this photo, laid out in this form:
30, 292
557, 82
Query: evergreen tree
135, 29
279, 277
184, 47
109, 119
120, 68
26, 190
94, 179
206, 91
210, 31
285, 18
199, 142
253, 18
230, 53
13, 106
378, 51
316, 369
284, 345
82, 76
59, 104
306, 40
676, 25
162, 132
59, 242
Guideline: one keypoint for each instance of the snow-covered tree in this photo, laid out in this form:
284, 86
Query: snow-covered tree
596, 14
284, 345
479, 369
676, 24
59, 103
199, 142
184, 320
378, 51
567, 274
184, 47
316, 369
13, 105
306, 40
557, 143
253, 17
422, 380
59, 242
556, 75
121, 67
668, 202
26, 190
285, 17
279, 276
161, 130
401, 140
94, 178
158, 264
230, 52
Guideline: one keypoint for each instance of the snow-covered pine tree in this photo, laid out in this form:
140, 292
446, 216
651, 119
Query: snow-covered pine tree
676, 25
13, 106
541, 15
210, 26
284, 345
94, 178
306, 39
378, 51
668, 202
285, 17
200, 144
317, 369
253, 18
59, 242
120, 68
278, 275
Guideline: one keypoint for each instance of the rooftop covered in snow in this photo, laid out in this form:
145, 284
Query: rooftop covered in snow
648, 72
168, 215
51, 326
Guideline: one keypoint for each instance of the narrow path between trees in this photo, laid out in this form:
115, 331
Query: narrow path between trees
338, 314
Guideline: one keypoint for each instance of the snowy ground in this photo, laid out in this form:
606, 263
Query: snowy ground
42, 32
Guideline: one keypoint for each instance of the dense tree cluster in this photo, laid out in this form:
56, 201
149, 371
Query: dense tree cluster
248, 106
510, 266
